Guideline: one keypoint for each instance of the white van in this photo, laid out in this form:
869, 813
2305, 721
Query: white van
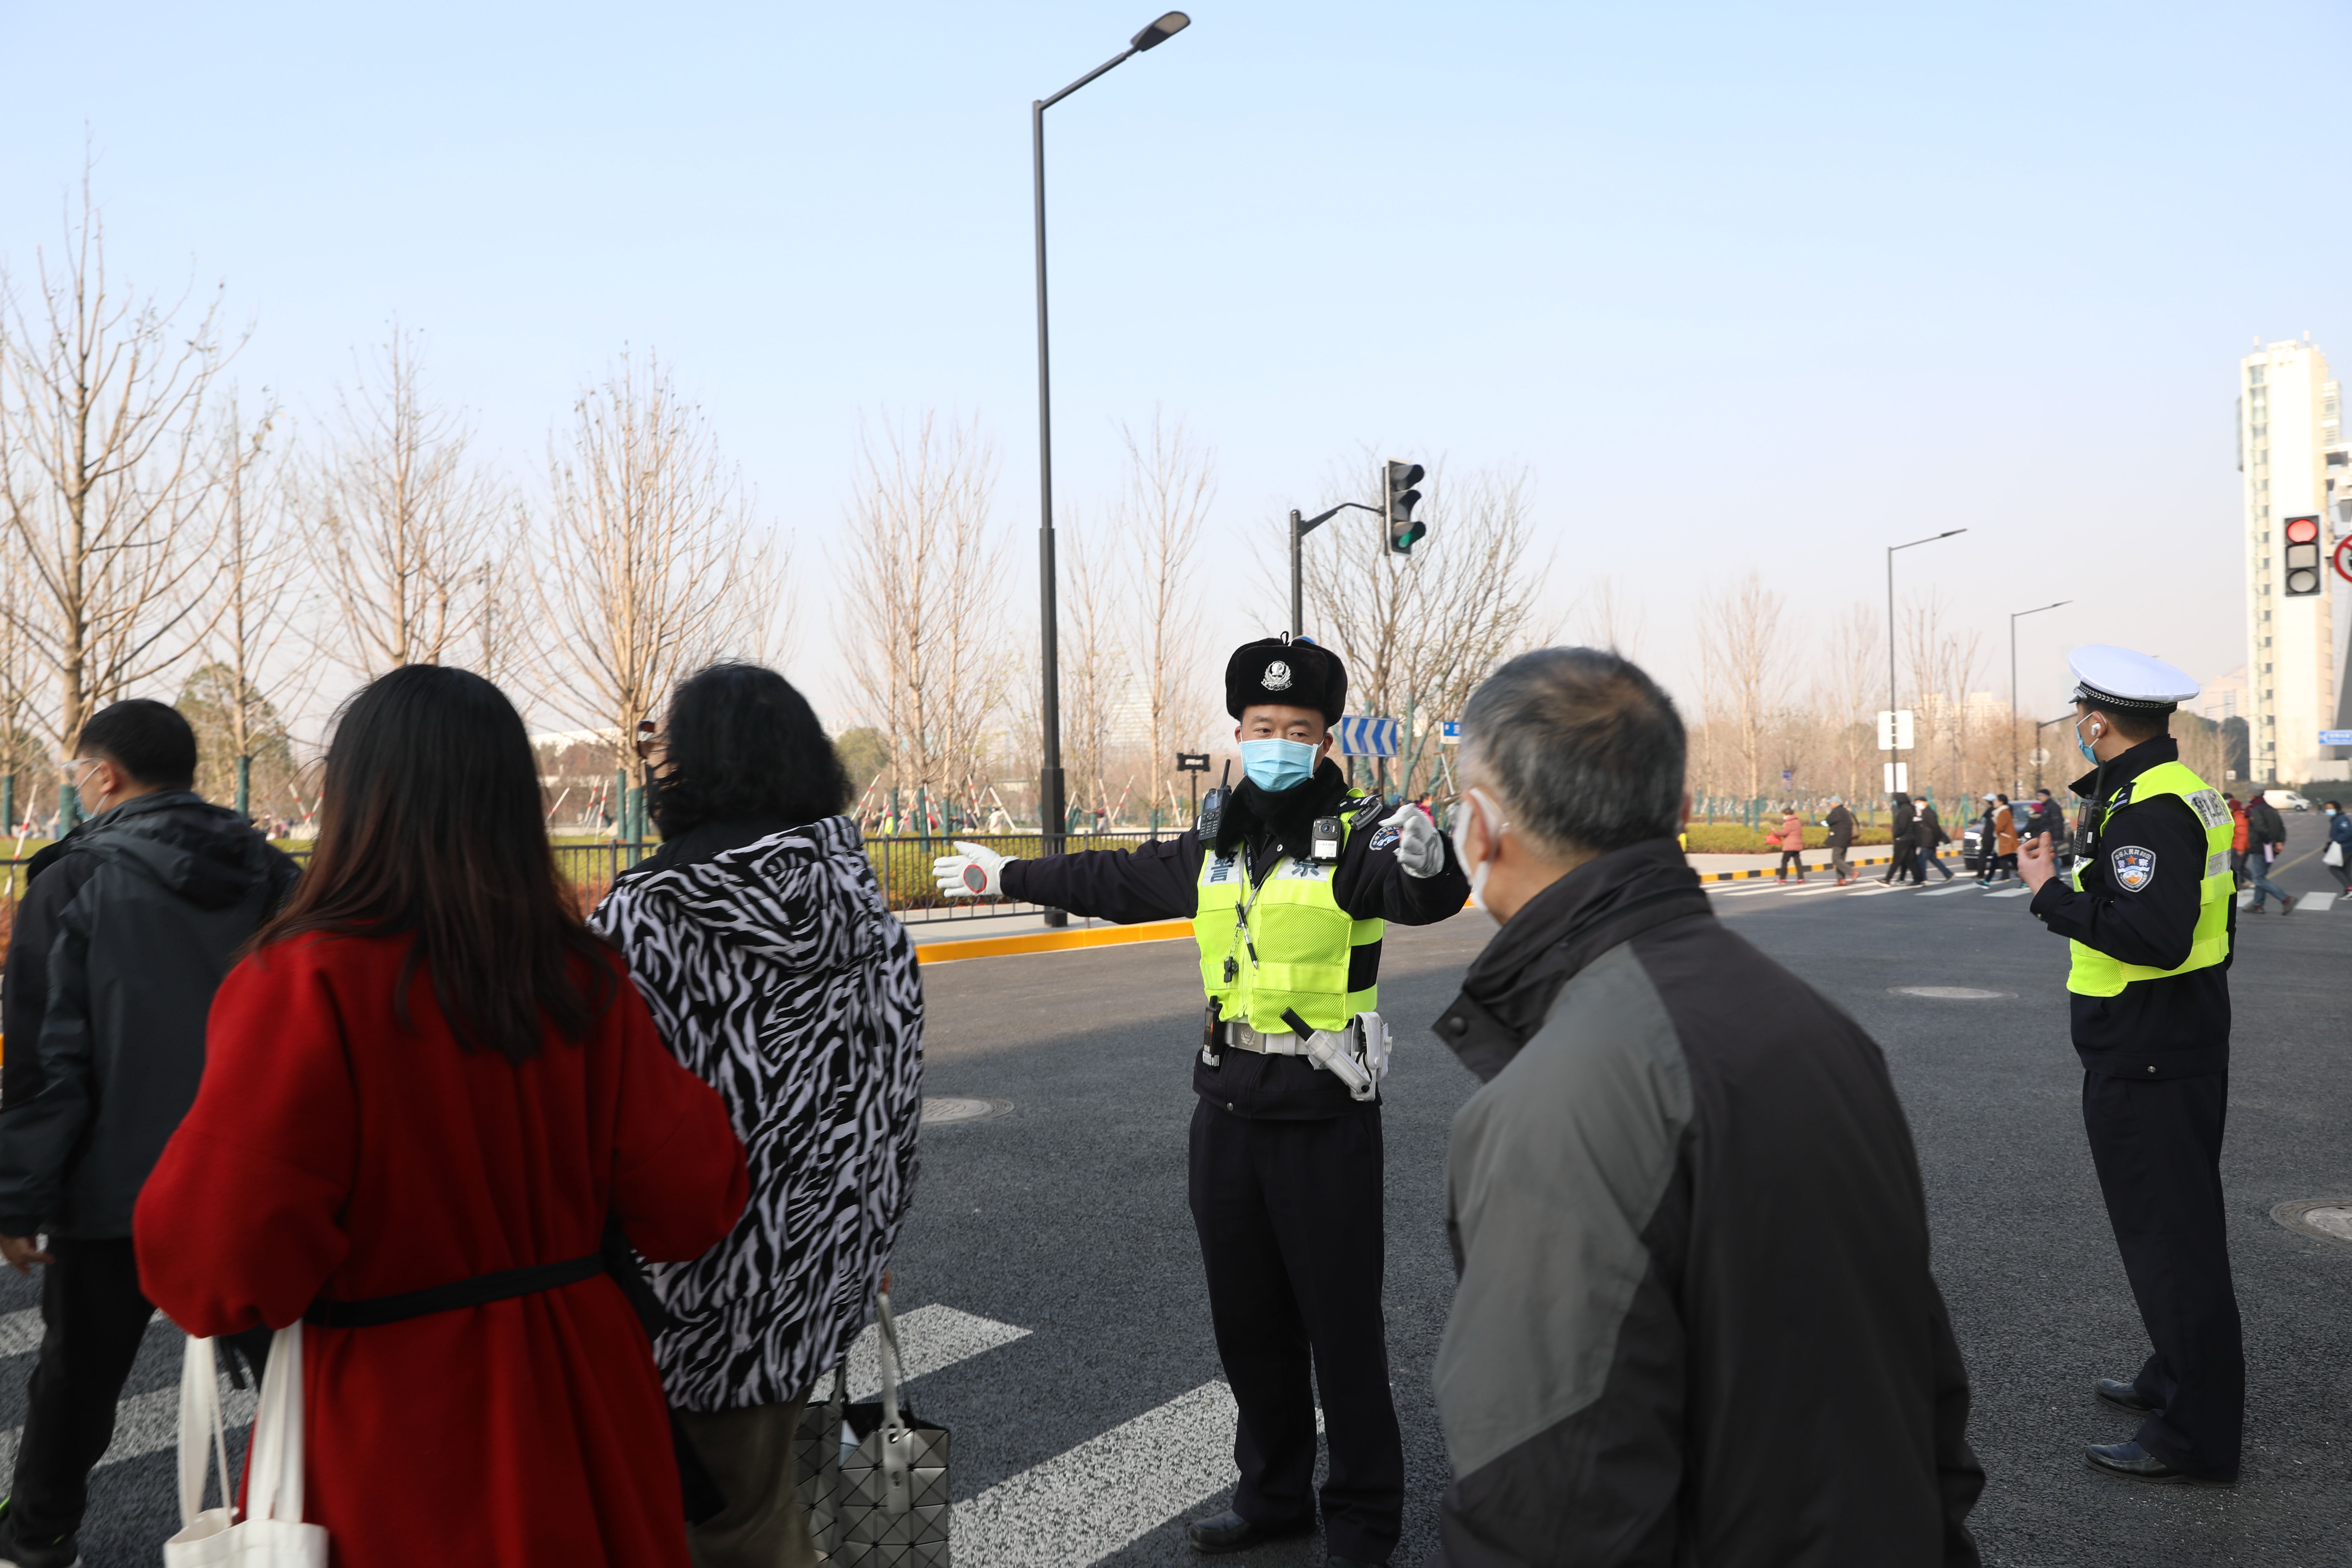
2286, 800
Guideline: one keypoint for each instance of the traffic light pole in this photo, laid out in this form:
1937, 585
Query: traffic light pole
1299, 528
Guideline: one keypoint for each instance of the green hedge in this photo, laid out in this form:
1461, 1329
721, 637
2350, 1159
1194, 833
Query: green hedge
1731, 839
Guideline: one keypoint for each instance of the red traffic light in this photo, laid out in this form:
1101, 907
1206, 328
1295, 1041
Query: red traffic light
2302, 530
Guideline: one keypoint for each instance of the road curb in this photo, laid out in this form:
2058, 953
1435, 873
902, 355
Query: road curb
1766, 871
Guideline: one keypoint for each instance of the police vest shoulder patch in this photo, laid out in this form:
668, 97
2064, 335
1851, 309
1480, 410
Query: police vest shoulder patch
2134, 866
1221, 869
1386, 838
2209, 808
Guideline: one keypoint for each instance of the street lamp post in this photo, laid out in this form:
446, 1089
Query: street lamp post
1050, 817
2016, 778
1890, 611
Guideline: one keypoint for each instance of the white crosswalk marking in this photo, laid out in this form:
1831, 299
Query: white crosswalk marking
1948, 888
2316, 903
1107, 1493
1815, 892
2013, 893
20, 1333
1751, 893
932, 1338
147, 1424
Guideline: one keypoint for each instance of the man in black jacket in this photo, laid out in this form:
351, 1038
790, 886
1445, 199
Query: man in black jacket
1903, 841
131, 921
1839, 822
2265, 840
1287, 888
1694, 1320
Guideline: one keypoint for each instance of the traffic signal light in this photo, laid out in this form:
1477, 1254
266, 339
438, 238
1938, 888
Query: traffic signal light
2302, 578
1398, 498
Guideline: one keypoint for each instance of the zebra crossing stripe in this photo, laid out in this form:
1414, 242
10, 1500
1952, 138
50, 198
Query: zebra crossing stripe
1106, 1494
933, 1339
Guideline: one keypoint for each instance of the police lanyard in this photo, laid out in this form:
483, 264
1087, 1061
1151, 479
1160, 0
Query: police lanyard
1242, 908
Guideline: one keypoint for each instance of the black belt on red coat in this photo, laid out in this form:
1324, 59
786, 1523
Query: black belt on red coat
480, 1290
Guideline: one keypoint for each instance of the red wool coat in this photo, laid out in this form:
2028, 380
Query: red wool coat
331, 1152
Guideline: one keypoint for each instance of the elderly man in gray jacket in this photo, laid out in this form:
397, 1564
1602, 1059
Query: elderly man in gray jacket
1694, 1320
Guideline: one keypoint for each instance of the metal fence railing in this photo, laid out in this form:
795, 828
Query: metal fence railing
901, 864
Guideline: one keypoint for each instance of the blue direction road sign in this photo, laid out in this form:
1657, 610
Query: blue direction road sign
1368, 737
2335, 737
1450, 732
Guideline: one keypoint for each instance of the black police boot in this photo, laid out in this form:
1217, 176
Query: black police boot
1228, 1532
2135, 1463
2123, 1395
20, 1551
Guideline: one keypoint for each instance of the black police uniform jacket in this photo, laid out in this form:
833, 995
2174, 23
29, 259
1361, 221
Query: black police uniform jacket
1161, 882
2174, 1027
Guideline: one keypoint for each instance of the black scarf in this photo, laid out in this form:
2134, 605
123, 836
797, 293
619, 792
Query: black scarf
1255, 817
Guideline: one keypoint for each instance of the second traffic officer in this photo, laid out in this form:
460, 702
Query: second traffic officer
1286, 883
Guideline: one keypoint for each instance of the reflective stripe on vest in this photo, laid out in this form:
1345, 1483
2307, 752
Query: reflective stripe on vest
2093, 974
1303, 940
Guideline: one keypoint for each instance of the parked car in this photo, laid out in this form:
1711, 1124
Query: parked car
1971, 851
2286, 800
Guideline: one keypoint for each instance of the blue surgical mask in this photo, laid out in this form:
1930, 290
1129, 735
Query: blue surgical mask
1274, 766
2081, 745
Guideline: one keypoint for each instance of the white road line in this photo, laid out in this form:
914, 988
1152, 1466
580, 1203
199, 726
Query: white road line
20, 1331
1816, 892
148, 1424
1107, 1493
2317, 902
1751, 893
1874, 892
932, 1338
1949, 887
2013, 893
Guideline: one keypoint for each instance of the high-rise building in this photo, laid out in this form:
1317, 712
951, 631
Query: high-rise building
2290, 449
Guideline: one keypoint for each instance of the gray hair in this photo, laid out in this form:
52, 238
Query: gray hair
1583, 747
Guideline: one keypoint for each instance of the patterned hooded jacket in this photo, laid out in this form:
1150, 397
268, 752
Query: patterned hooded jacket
778, 976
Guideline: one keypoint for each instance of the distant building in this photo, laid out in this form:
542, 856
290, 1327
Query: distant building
2290, 446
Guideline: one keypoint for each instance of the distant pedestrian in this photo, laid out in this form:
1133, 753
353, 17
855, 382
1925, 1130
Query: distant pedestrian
129, 924
1645, 1363
759, 937
1904, 845
1421, 800
2265, 837
2337, 856
1840, 823
1792, 844
1996, 841
430, 1077
1929, 831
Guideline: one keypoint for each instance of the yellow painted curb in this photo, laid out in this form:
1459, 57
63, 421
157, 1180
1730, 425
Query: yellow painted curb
1049, 941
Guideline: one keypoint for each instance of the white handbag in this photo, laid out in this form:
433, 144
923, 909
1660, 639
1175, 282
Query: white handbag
271, 1534
2334, 855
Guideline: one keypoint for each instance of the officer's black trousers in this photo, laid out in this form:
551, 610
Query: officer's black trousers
1289, 1214
2157, 1147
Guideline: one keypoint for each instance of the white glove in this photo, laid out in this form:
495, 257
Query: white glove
975, 872
1419, 850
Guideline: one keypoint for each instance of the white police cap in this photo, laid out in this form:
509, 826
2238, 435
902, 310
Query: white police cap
2109, 677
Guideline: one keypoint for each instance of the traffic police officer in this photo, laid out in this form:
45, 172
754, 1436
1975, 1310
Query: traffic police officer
1287, 883
2150, 914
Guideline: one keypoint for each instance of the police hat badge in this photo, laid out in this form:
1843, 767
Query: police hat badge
2134, 867
1277, 677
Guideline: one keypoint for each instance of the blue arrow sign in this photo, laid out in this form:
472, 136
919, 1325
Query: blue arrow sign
2335, 737
1362, 737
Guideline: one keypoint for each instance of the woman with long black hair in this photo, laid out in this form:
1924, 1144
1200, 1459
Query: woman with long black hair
429, 1074
760, 940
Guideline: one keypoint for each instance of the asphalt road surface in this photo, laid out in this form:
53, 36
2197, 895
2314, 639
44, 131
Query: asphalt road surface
1054, 1314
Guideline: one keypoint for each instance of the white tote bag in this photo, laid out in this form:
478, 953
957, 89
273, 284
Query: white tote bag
271, 1534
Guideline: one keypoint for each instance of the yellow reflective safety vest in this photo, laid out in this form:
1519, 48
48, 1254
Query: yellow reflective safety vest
1286, 943
2093, 974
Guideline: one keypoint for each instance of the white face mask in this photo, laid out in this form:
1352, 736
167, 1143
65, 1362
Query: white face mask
1478, 800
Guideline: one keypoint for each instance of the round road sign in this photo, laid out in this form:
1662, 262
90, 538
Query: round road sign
2342, 570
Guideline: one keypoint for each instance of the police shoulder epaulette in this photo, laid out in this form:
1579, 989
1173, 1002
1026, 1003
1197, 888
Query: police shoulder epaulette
1371, 803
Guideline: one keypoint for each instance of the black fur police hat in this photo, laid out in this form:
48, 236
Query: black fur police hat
1294, 674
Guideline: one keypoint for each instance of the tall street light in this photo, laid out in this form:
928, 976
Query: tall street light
2015, 779
1050, 817
1890, 614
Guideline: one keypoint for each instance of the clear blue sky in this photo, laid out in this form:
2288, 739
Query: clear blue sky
1738, 285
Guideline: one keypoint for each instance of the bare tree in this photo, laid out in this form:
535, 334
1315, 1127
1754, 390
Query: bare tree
923, 611
1745, 646
402, 520
257, 594
1843, 694
1419, 632
1606, 618
102, 485
1171, 485
649, 567
1095, 681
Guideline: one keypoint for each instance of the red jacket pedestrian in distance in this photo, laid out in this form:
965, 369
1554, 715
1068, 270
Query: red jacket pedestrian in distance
430, 1071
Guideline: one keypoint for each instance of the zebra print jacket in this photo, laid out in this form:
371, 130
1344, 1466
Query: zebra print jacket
778, 976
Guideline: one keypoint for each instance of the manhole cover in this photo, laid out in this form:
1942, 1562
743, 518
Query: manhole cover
1950, 992
2330, 1219
938, 1112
